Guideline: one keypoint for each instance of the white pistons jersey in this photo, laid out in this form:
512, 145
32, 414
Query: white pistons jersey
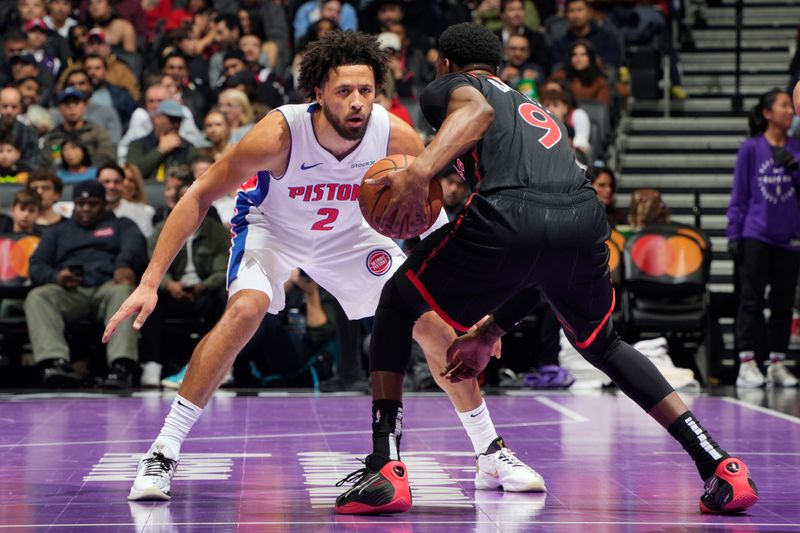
309, 218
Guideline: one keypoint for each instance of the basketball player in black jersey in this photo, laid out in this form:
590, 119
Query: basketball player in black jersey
532, 223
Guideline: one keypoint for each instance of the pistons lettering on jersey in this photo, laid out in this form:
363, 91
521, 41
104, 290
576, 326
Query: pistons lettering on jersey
379, 262
325, 192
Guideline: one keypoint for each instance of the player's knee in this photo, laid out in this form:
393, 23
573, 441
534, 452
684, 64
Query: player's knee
395, 300
596, 353
247, 308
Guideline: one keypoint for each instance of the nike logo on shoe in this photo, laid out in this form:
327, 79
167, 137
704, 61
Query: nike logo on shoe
303, 166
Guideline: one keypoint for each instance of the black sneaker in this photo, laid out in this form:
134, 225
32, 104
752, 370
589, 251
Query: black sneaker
376, 491
120, 376
58, 373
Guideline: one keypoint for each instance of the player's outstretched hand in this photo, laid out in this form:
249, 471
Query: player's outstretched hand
468, 356
142, 301
405, 212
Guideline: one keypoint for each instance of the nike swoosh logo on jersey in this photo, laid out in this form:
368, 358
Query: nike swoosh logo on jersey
303, 166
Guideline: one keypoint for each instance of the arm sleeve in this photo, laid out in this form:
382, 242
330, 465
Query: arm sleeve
740, 191
509, 313
41, 267
436, 96
138, 127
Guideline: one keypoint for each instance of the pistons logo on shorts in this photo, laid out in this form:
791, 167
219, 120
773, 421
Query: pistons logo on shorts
379, 262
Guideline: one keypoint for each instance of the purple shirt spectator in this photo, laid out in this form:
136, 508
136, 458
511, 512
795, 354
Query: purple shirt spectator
764, 202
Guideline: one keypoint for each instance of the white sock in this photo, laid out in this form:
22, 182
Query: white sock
480, 428
178, 423
747, 356
777, 357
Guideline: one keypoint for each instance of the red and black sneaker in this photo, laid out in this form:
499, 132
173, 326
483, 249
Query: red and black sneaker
730, 489
376, 491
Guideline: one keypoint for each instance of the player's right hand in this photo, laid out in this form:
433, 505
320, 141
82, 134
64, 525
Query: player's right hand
142, 301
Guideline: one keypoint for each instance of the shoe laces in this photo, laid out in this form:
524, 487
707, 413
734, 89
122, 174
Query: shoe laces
508, 457
158, 464
354, 477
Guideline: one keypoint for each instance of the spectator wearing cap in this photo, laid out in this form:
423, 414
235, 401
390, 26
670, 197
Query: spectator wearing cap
340, 12
72, 106
163, 147
141, 123
99, 114
117, 71
84, 268
11, 121
37, 31
107, 94
58, 17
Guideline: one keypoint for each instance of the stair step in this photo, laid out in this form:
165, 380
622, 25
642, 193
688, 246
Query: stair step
668, 161
728, 125
728, 58
680, 200
726, 80
709, 221
632, 180
692, 105
683, 142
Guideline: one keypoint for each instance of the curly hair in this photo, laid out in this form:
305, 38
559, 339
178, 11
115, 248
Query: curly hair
338, 48
469, 44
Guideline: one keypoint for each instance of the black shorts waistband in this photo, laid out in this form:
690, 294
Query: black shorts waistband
549, 199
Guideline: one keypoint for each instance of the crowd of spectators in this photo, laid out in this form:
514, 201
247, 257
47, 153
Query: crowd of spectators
123, 94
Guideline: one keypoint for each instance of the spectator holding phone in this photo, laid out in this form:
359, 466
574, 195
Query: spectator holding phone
84, 268
194, 286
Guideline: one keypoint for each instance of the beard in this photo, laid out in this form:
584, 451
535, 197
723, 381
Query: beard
344, 130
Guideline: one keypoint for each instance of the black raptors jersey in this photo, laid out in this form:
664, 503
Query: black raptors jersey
524, 148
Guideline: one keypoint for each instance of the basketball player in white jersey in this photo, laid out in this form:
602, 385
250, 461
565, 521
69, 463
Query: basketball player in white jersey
300, 210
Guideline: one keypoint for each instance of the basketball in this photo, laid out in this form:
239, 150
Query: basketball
373, 200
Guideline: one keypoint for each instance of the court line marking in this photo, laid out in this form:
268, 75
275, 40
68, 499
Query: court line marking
737, 453
765, 410
569, 413
419, 522
287, 435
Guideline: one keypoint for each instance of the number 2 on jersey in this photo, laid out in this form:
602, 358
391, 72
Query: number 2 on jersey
330, 214
538, 118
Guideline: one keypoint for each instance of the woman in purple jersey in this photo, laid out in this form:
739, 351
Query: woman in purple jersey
764, 238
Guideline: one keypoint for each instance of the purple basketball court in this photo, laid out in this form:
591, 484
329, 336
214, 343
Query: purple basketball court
270, 463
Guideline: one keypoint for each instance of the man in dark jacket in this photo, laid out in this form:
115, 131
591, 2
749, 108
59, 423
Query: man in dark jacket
85, 267
581, 26
72, 106
163, 147
194, 287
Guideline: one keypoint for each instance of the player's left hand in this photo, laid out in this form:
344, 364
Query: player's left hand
404, 216
468, 356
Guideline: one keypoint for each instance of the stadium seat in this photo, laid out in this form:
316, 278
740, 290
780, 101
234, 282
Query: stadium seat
665, 288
